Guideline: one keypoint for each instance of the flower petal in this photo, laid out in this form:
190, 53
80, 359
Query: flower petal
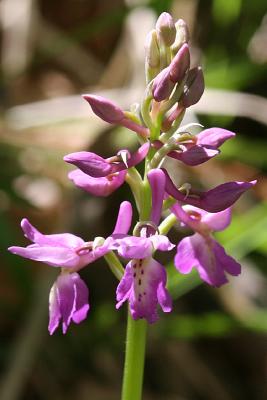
214, 200
184, 259
223, 196
124, 288
54, 310
81, 299
201, 253
161, 242
61, 239
228, 263
124, 218
90, 163
156, 178
131, 246
55, 256
103, 186
139, 155
214, 137
149, 279
66, 299
194, 155
217, 221
164, 298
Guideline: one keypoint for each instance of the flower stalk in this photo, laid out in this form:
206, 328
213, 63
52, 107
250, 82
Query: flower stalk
134, 359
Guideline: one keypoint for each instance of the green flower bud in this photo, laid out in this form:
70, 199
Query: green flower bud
166, 29
182, 35
152, 50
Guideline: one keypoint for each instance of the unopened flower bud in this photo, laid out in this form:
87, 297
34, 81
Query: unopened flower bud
166, 28
152, 50
180, 64
162, 85
182, 35
104, 108
194, 88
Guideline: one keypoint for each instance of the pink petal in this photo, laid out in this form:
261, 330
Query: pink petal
61, 239
217, 221
156, 178
103, 186
81, 299
90, 163
194, 155
184, 259
214, 137
54, 256
124, 288
124, 218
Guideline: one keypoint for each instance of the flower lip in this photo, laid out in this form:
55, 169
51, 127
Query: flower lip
68, 301
144, 286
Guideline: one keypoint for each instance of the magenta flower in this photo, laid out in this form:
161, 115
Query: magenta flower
66, 250
100, 176
69, 295
200, 250
144, 281
201, 148
190, 153
68, 300
95, 166
113, 114
61, 250
214, 200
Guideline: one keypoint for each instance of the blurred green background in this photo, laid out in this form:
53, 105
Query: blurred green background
213, 345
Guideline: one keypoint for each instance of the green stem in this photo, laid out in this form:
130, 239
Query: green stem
114, 264
134, 359
167, 224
